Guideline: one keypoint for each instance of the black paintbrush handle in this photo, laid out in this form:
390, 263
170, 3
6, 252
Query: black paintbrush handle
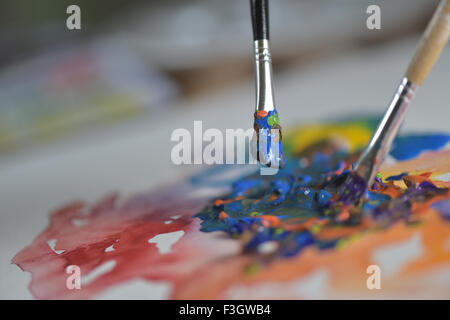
260, 19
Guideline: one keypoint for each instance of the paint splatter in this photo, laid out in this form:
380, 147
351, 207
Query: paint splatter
298, 227
315, 201
117, 243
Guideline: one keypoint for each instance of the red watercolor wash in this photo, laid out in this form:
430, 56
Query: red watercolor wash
85, 233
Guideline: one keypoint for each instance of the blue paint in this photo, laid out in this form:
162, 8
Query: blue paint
397, 177
298, 243
241, 187
410, 146
265, 127
323, 197
425, 185
315, 190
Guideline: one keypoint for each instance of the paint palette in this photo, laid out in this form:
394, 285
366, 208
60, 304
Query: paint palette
230, 233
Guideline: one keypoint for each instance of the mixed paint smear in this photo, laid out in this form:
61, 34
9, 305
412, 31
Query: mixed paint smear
316, 200
268, 132
307, 232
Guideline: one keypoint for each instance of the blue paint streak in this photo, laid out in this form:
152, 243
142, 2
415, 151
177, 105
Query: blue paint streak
410, 146
397, 177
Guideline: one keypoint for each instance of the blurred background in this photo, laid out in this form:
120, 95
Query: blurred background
140, 59
90, 111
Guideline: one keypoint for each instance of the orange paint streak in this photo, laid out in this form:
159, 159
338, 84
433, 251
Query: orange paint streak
269, 221
220, 202
261, 114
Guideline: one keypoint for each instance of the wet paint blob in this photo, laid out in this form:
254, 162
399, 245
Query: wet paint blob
315, 195
268, 138
228, 232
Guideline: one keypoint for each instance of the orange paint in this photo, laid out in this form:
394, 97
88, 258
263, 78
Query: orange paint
220, 202
344, 215
223, 215
270, 221
261, 114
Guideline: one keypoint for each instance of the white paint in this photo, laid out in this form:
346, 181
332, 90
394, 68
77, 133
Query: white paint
168, 222
52, 244
392, 258
97, 272
176, 217
165, 241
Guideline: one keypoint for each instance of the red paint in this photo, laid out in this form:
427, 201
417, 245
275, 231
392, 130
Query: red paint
127, 228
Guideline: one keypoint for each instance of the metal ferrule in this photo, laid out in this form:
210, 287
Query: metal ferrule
374, 154
263, 68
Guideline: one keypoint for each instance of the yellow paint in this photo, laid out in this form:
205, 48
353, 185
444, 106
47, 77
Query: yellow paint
353, 134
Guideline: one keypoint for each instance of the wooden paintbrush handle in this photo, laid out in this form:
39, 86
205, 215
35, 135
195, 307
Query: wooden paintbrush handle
433, 41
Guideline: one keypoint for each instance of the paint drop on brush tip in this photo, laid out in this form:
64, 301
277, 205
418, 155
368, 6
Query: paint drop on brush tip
268, 145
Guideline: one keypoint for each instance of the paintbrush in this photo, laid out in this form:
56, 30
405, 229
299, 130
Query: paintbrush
266, 121
431, 44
